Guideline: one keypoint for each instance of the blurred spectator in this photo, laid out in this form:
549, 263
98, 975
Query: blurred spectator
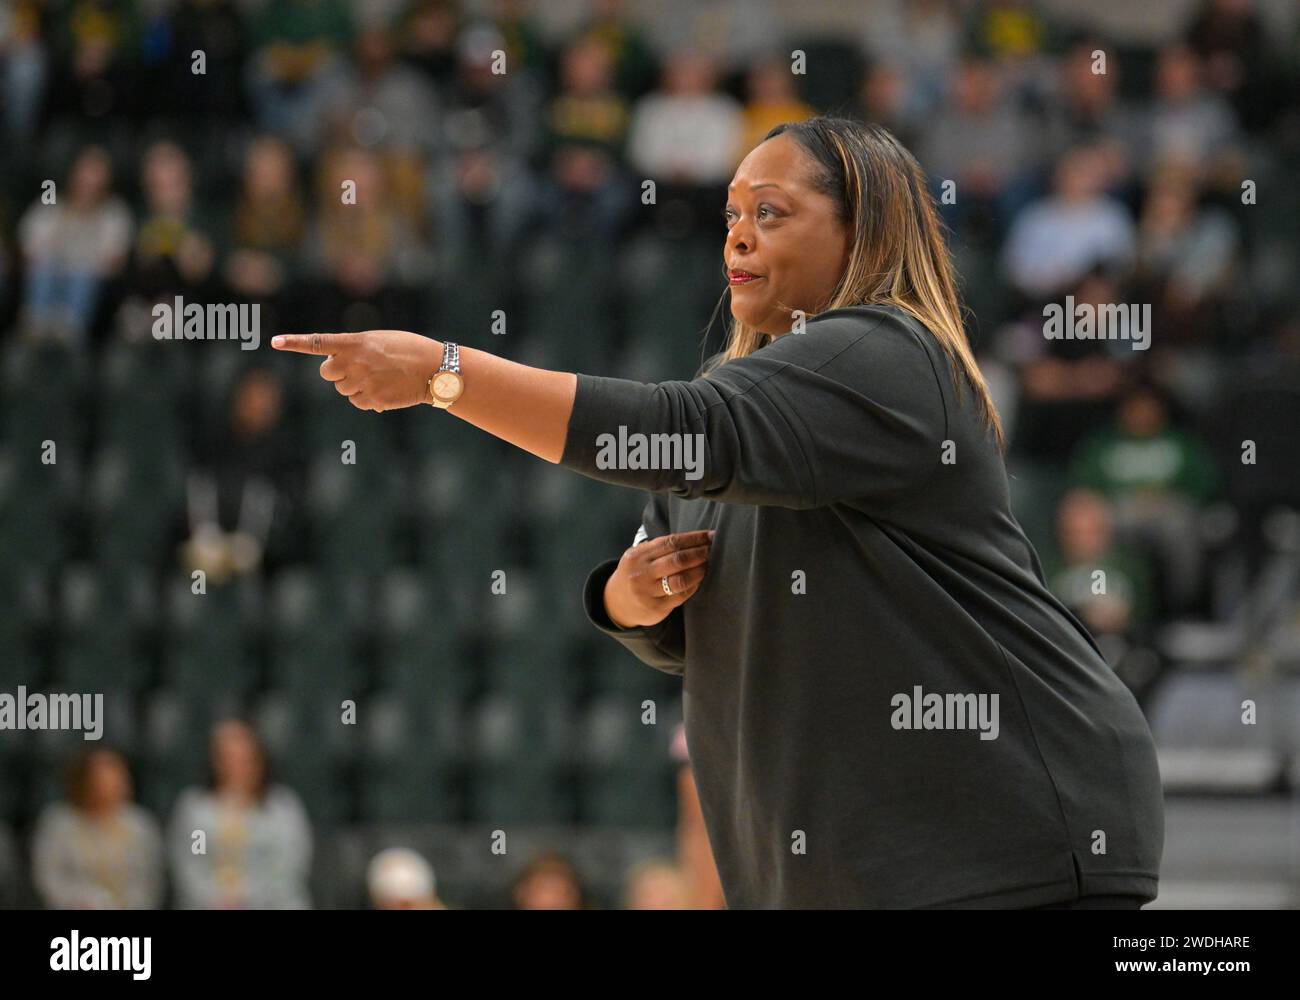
1107, 586
483, 201
1055, 241
1066, 386
268, 224
211, 98
296, 70
1007, 29
1186, 121
587, 109
887, 98
925, 36
1086, 111
386, 104
1186, 256
771, 99
688, 132
548, 882
174, 252
686, 137
633, 60
1230, 38
984, 142
247, 474
71, 248
1158, 477
524, 47
363, 246
98, 850
583, 197
400, 879
426, 34
24, 66
486, 106
94, 73
703, 888
241, 842
655, 885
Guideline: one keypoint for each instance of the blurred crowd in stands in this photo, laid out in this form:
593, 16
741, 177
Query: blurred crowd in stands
206, 148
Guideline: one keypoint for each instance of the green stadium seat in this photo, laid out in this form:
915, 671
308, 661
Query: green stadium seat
206, 649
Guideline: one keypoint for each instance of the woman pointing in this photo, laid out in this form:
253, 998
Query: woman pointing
885, 706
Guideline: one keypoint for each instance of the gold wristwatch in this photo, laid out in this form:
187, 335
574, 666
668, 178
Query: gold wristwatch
447, 383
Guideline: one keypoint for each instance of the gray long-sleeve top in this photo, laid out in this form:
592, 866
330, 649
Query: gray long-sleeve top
885, 705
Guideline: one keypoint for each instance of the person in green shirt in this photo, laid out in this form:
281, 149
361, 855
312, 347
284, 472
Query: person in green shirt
1157, 477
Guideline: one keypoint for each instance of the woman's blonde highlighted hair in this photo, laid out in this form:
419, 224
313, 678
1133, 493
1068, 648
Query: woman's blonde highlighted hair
897, 254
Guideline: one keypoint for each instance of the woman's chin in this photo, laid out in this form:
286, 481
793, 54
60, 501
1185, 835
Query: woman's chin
749, 317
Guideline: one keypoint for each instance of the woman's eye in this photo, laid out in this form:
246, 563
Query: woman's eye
728, 213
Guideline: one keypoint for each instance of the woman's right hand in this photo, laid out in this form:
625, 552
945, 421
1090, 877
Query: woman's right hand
634, 595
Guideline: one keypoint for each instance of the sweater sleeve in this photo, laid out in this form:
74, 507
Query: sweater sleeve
662, 646
850, 409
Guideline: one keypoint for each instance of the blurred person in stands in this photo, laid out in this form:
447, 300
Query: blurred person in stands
93, 78
633, 58
1186, 120
210, 100
426, 33
25, 68
483, 199
98, 849
686, 136
587, 108
548, 882
400, 879
583, 194
1066, 386
1086, 110
770, 99
268, 224
1158, 477
72, 248
925, 36
174, 253
1233, 44
887, 97
655, 885
983, 141
247, 473
703, 888
484, 105
386, 104
297, 67
362, 248
525, 45
1057, 240
241, 842
1109, 587
1186, 264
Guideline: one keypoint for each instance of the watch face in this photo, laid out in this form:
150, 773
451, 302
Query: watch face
446, 385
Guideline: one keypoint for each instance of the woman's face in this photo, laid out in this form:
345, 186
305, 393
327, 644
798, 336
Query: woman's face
235, 758
108, 785
785, 233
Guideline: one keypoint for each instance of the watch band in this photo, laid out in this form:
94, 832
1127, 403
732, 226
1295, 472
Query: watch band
450, 357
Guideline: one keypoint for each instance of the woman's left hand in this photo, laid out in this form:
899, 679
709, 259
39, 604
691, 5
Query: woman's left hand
377, 369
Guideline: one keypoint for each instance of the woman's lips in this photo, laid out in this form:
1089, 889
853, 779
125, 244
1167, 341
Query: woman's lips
744, 279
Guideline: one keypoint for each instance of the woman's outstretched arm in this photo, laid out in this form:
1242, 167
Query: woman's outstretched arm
389, 369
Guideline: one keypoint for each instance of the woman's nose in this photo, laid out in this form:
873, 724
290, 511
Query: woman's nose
738, 239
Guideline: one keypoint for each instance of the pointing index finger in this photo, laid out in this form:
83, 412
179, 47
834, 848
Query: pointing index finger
309, 343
